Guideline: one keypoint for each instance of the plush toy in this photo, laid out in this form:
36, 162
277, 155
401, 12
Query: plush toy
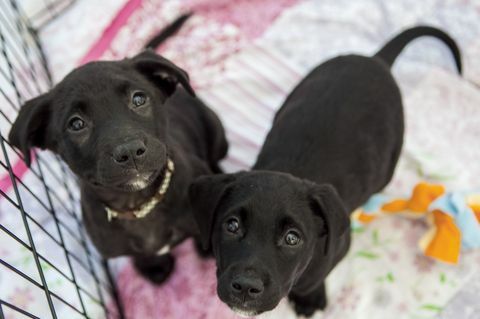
453, 218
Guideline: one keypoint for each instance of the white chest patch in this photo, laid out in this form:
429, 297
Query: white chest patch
165, 250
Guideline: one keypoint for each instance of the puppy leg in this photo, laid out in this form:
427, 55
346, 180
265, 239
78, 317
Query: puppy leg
155, 268
306, 305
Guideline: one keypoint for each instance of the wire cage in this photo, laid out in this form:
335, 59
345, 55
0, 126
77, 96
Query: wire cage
39, 13
48, 268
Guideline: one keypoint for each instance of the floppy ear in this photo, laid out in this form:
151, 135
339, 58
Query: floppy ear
206, 193
327, 204
161, 71
30, 127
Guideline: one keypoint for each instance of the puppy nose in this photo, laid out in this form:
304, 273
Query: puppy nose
129, 152
247, 288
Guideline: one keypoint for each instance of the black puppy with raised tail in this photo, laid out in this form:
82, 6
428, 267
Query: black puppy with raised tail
279, 230
136, 141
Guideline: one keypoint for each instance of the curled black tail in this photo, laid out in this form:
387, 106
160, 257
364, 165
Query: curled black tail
393, 48
167, 32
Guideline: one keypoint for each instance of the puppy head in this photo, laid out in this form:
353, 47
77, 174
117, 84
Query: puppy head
107, 120
264, 228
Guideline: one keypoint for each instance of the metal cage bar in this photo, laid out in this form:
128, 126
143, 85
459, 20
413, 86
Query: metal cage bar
42, 208
46, 10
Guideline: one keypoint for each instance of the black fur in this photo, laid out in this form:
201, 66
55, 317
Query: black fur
334, 142
121, 154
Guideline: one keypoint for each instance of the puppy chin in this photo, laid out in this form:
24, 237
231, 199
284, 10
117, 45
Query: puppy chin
139, 182
249, 308
244, 313
133, 183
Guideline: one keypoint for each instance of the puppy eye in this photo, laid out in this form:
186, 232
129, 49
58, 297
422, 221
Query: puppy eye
139, 99
292, 238
76, 124
232, 225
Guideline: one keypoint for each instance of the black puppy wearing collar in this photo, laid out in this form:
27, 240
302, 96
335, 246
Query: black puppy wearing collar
280, 229
135, 139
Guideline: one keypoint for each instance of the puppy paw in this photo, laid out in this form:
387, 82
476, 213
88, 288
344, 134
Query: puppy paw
155, 268
305, 310
322, 302
308, 304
